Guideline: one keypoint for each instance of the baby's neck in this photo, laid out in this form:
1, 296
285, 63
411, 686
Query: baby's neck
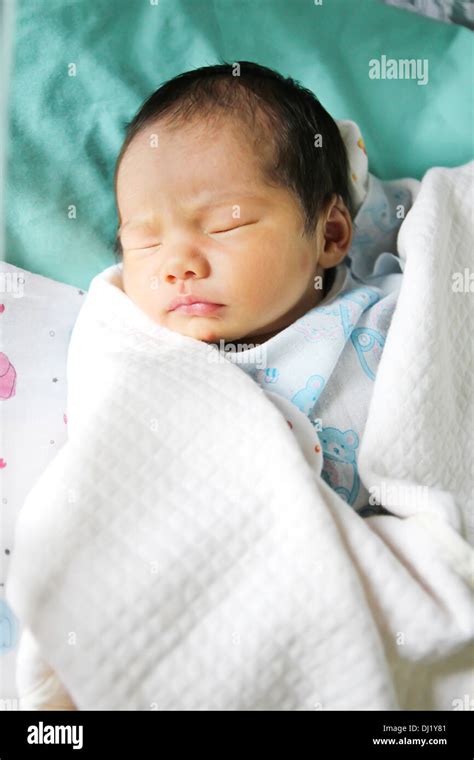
257, 340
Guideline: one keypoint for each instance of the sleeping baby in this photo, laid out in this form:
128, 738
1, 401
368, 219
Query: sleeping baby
236, 224
235, 228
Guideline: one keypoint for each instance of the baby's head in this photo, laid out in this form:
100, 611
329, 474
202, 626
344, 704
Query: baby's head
231, 186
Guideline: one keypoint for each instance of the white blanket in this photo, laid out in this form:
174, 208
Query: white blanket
180, 552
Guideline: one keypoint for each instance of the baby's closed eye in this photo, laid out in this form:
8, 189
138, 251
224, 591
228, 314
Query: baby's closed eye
217, 230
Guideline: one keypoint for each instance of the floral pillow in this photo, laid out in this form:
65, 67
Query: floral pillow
36, 319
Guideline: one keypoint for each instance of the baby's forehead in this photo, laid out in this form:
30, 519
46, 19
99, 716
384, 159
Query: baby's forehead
223, 137
193, 165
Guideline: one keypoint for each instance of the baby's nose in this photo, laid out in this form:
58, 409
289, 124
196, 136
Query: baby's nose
184, 263
174, 275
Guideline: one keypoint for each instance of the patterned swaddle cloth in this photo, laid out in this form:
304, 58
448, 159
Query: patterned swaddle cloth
325, 364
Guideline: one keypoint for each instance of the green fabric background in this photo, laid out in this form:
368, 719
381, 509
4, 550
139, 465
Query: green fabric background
65, 132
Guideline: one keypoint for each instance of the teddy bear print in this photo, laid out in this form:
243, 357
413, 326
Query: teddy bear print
7, 377
306, 398
314, 329
339, 463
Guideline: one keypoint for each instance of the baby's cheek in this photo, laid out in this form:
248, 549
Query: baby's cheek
132, 284
308, 265
304, 262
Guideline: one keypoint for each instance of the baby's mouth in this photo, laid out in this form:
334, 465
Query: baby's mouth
198, 308
193, 304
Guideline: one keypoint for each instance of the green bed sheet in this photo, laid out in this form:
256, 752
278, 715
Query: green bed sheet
65, 131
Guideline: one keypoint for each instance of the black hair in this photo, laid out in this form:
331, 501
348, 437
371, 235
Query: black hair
309, 155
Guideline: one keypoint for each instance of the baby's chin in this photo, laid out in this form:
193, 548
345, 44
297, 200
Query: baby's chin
198, 328
205, 329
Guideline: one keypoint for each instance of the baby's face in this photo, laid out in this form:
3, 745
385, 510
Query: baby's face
197, 218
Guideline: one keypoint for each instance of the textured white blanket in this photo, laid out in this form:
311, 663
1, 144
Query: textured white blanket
180, 552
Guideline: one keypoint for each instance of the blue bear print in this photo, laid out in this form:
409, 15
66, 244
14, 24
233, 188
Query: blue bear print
306, 398
365, 340
339, 462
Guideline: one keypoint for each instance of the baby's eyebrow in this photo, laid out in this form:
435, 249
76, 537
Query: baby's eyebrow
221, 198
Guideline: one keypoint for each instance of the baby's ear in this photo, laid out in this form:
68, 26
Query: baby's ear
316, 382
336, 232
